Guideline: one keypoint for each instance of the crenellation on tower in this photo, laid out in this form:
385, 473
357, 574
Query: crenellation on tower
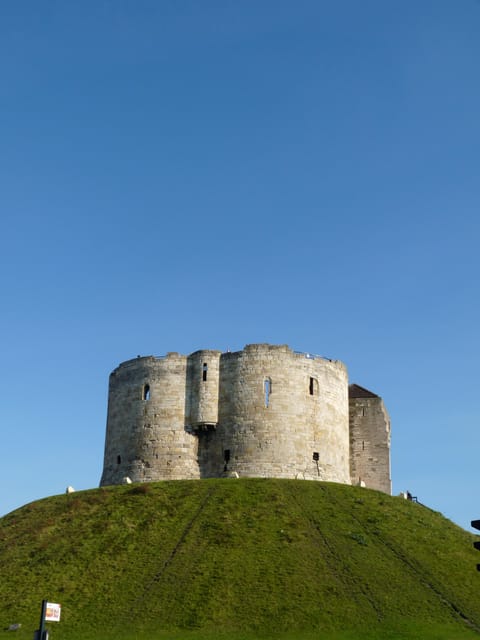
264, 411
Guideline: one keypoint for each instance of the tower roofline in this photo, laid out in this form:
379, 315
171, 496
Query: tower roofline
356, 391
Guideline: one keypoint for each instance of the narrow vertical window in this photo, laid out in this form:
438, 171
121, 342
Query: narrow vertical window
316, 458
146, 392
267, 388
204, 371
226, 459
310, 388
119, 459
313, 386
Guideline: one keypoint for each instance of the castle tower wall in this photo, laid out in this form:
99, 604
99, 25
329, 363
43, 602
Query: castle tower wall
283, 414
146, 437
265, 411
369, 440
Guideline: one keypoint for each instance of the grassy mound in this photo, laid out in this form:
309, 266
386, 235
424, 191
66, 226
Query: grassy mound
237, 559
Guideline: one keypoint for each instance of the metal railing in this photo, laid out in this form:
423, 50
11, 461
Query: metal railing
311, 356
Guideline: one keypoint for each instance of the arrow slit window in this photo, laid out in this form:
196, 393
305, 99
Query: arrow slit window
267, 389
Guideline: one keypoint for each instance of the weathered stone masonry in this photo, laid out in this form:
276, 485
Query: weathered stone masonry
265, 411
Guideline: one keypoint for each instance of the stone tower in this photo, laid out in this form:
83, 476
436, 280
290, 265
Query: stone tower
265, 411
369, 440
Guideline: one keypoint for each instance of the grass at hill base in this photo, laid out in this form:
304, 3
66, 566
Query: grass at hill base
237, 559
405, 632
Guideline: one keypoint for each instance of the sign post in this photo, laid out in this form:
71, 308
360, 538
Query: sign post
50, 613
41, 628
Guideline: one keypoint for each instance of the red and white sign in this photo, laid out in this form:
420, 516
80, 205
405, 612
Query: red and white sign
52, 612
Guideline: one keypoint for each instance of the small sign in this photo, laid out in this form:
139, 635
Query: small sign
52, 612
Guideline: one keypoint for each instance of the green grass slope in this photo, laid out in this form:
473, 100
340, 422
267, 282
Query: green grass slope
238, 559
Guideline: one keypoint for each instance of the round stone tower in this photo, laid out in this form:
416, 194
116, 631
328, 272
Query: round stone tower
265, 411
146, 437
284, 414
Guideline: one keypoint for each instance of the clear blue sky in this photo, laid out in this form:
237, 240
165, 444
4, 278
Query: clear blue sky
177, 175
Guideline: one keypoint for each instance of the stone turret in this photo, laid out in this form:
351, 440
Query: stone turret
146, 438
201, 407
277, 409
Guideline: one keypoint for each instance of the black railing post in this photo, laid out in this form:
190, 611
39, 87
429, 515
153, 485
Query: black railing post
476, 544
